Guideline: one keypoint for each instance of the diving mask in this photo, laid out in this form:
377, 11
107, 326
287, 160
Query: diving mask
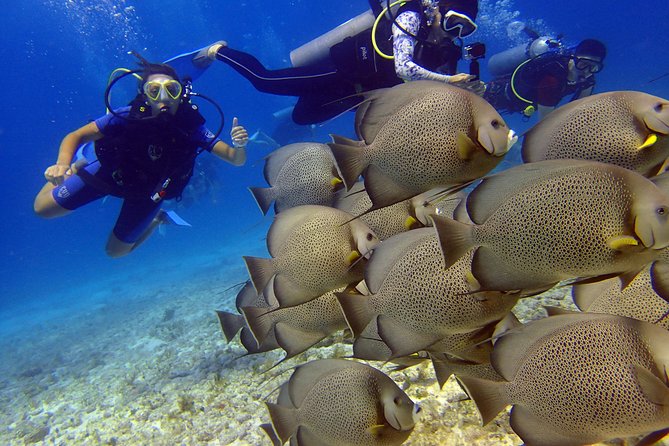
458, 24
588, 64
165, 89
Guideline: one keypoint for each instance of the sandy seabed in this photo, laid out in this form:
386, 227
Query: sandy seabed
150, 366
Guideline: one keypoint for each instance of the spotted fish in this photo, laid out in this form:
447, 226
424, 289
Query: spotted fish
540, 223
578, 379
418, 136
626, 128
314, 249
336, 402
299, 173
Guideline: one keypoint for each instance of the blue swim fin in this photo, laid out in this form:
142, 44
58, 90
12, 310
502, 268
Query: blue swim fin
174, 218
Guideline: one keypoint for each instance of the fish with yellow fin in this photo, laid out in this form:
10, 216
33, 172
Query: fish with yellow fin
626, 128
418, 136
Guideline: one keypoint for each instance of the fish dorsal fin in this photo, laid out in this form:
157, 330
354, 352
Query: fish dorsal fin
306, 376
652, 387
287, 222
387, 254
586, 294
512, 349
383, 104
498, 188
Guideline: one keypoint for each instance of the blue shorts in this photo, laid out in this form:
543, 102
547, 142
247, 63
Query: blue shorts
135, 215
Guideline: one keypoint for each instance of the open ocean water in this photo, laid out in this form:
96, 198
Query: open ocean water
129, 351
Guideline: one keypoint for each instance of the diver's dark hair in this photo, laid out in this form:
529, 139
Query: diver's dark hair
149, 68
590, 47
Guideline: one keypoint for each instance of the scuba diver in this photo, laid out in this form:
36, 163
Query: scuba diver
539, 74
145, 154
420, 39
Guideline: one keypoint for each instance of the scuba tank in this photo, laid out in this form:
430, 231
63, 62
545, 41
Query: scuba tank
318, 50
504, 63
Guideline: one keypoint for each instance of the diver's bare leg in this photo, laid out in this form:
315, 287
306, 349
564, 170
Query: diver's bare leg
45, 206
117, 248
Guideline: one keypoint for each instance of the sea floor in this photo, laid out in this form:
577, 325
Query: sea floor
148, 365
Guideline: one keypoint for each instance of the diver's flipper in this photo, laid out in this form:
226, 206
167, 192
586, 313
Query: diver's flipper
174, 218
192, 65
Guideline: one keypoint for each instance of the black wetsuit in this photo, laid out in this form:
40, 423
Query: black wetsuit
542, 81
331, 88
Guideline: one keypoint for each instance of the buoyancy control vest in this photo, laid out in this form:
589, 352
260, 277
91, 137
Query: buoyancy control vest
146, 157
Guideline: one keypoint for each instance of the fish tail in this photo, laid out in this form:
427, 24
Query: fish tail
284, 421
260, 326
264, 197
455, 238
356, 311
488, 396
350, 158
260, 271
230, 323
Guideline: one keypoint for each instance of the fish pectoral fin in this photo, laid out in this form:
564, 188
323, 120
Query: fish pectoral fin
652, 386
376, 429
352, 257
336, 181
466, 147
650, 141
410, 222
621, 242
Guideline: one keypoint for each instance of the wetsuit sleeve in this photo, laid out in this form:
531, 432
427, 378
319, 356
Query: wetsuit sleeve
403, 50
204, 138
111, 125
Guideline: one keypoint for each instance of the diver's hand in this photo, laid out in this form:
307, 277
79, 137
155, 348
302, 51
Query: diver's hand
468, 82
57, 173
239, 135
460, 78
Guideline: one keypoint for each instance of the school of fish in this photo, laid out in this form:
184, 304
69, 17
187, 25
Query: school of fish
424, 258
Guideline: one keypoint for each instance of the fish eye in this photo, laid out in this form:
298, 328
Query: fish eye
495, 124
370, 236
661, 211
658, 107
397, 400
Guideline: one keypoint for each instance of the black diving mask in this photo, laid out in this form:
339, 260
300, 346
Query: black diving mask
588, 64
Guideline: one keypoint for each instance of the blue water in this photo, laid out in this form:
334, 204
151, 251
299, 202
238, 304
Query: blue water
56, 56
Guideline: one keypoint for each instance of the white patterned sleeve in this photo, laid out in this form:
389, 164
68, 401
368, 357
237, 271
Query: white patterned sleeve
403, 50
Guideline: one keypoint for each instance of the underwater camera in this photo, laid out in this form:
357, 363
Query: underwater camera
473, 53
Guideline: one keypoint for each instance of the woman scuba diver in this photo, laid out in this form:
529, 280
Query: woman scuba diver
426, 44
146, 152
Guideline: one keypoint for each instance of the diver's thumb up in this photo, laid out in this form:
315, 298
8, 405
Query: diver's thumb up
238, 134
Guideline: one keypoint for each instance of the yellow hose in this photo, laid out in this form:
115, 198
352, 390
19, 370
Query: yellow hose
376, 23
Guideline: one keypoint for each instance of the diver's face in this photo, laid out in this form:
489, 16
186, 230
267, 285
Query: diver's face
586, 66
163, 94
